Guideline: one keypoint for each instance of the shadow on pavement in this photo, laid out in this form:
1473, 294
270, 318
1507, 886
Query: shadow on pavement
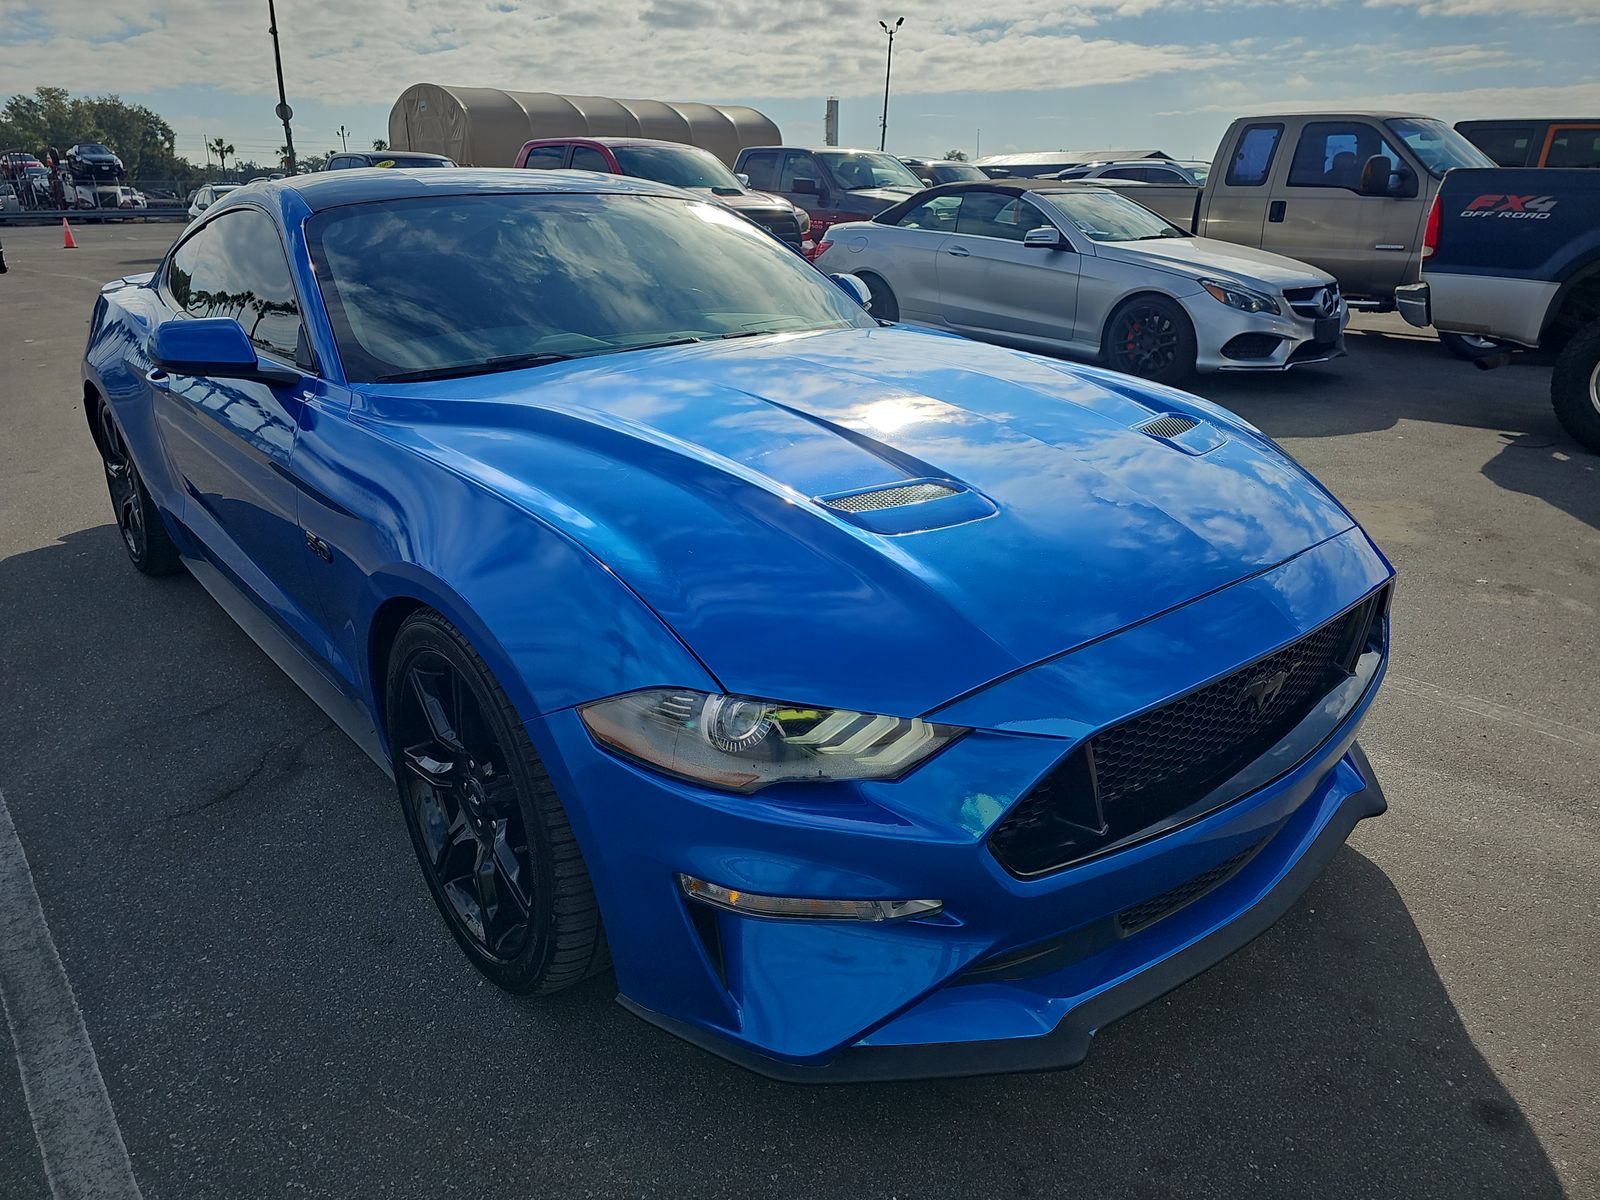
277, 1007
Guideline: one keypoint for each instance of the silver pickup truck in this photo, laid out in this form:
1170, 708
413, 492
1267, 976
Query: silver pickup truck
1345, 191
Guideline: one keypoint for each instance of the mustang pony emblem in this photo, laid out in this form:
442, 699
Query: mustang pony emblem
1264, 690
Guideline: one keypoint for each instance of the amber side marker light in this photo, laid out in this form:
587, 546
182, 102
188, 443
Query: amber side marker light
755, 905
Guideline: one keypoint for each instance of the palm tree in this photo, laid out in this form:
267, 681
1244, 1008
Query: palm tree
222, 149
379, 144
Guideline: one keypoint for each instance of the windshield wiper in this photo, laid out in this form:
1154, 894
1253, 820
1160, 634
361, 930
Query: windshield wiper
506, 362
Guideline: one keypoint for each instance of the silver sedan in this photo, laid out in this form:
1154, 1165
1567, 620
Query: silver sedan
1083, 271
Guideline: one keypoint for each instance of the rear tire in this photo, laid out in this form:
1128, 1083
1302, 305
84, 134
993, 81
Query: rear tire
144, 534
495, 845
1152, 338
884, 306
1575, 387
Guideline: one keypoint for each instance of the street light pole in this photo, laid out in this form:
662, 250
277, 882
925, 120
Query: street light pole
285, 113
888, 66
344, 137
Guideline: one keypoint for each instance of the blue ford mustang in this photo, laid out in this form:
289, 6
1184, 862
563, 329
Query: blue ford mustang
877, 703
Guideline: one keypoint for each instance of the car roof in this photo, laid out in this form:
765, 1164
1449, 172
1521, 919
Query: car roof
391, 154
819, 149
1015, 186
332, 189
610, 141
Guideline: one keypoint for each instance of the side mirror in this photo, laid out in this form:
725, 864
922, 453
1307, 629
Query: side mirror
742, 178
1043, 238
852, 286
215, 346
1380, 177
807, 187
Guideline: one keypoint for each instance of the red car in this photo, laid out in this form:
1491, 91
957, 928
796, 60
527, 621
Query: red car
676, 164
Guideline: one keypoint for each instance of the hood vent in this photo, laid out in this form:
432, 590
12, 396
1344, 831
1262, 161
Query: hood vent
898, 496
1169, 426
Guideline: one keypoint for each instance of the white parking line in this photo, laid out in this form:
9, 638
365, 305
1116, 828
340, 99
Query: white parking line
82, 1148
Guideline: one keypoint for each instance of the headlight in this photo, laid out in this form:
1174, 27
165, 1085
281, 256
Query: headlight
805, 220
1240, 298
742, 744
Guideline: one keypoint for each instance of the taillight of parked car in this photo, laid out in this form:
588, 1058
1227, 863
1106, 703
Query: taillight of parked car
813, 250
1430, 231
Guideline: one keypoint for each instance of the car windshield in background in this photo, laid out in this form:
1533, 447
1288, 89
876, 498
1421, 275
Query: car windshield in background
1439, 147
856, 172
410, 163
95, 148
467, 284
680, 166
1104, 217
955, 172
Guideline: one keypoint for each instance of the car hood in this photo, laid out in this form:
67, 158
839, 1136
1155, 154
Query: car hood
1196, 256
748, 201
693, 474
883, 196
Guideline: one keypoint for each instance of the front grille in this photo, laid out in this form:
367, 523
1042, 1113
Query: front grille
1144, 771
891, 497
1142, 916
782, 225
1311, 301
1169, 426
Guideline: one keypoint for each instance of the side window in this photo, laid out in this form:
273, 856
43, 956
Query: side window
937, 214
1574, 146
798, 166
1123, 173
235, 267
587, 158
1330, 154
1508, 145
1161, 175
545, 158
762, 167
1252, 160
997, 215
338, 163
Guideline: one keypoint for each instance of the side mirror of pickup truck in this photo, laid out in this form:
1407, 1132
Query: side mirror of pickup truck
1380, 177
807, 187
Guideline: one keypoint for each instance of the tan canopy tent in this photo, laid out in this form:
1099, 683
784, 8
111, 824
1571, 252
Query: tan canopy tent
485, 127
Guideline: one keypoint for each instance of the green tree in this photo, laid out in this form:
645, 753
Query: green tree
379, 144
221, 148
955, 156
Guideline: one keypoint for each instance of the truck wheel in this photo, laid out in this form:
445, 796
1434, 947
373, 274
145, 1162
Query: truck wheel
1468, 348
1575, 387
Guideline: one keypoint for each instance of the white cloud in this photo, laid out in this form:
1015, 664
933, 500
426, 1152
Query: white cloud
1578, 10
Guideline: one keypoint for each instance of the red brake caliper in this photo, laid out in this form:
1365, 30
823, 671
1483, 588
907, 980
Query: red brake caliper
1133, 332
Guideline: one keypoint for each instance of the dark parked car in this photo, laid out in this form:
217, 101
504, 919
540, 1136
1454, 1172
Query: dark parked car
354, 159
831, 184
934, 171
1533, 142
672, 163
92, 162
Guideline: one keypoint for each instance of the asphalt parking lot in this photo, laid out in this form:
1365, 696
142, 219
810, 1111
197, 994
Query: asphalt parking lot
277, 1010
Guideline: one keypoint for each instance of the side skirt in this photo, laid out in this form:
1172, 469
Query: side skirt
292, 660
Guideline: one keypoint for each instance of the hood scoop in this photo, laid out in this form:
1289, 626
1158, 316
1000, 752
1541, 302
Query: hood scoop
1183, 433
910, 506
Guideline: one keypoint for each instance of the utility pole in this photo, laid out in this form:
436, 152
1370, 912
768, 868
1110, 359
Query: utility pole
888, 65
344, 137
285, 113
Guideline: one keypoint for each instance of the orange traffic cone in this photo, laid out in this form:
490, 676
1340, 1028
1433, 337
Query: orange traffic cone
66, 236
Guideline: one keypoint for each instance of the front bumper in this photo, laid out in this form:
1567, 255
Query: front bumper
1227, 339
827, 1001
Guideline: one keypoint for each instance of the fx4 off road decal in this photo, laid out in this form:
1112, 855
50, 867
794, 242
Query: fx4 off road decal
1516, 208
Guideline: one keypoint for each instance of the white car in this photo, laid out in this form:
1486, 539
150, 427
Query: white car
209, 195
1072, 269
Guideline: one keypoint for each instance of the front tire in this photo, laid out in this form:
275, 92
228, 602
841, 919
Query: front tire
1151, 337
884, 306
1575, 387
150, 548
493, 841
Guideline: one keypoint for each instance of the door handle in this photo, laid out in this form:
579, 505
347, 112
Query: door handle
1275, 211
959, 251
156, 377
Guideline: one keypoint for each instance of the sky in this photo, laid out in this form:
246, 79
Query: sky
1027, 75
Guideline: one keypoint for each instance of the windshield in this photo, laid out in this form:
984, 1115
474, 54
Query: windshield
680, 166
465, 284
411, 162
856, 171
1199, 170
955, 172
1437, 145
1105, 217
95, 148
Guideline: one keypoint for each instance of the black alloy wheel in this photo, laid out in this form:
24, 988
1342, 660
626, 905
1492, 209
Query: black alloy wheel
144, 537
1152, 338
494, 843
883, 305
